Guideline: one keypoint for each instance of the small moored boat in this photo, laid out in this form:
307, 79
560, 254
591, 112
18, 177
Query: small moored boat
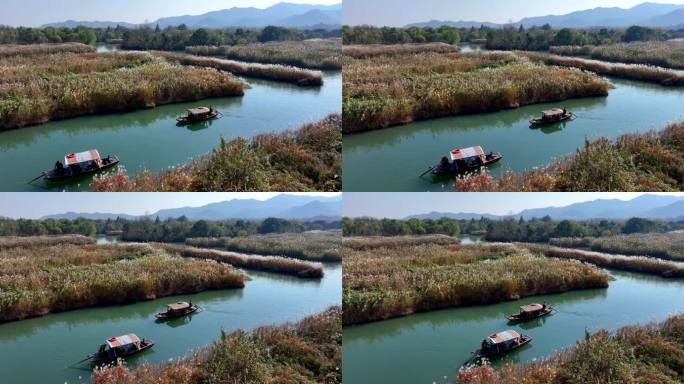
181, 308
196, 115
119, 347
498, 344
530, 311
79, 164
552, 116
464, 159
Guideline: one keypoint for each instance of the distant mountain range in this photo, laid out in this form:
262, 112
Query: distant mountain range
646, 206
281, 14
282, 206
645, 14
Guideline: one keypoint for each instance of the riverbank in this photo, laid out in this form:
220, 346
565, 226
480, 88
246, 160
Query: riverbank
8, 242
308, 246
639, 353
641, 264
392, 282
40, 87
324, 54
365, 243
386, 90
271, 264
669, 245
273, 72
306, 351
638, 72
303, 160
659, 53
40, 279
649, 161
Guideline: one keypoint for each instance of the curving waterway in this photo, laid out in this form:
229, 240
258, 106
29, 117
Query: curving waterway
149, 139
430, 347
391, 159
45, 349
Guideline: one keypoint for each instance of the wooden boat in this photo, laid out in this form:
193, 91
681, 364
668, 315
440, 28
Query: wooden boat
498, 344
552, 116
79, 164
196, 115
531, 311
465, 159
181, 308
119, 347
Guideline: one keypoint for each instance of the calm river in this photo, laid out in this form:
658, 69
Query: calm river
149, 139
391, 159
43, 350
430, 347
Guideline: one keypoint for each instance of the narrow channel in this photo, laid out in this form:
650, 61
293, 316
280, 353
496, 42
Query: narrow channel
430, 347
44, 350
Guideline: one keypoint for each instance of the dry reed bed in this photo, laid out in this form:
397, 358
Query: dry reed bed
374, 50
308, 351
385, 90
651, 161
38, 89
7, 242
298, 76
390, 282
639, 72
651, 353
640, 264
273, 264
40, 279
668, 54
668, 245
364, 243
10, 50
314, 245
322, 54
309, 159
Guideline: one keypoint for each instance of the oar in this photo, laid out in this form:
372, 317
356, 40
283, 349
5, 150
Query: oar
41, 175
429, 169
79, 362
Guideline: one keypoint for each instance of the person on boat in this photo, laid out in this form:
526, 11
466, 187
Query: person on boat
211, 109
102, 348
565, 112
444, 163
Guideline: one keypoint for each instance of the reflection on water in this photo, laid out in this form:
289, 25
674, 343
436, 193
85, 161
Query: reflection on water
56, 342
149, 139
430, 347
371, 162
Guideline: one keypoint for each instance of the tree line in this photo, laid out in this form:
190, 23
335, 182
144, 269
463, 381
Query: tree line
169, 230
156, 38
389, 35
507, 230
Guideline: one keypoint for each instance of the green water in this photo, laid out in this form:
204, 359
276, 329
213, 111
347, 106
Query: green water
430, 347
42, 350
149, 139
391, 159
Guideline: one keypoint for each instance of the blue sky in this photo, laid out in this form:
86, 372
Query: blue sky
400, 205
401, 12
38, 12
35, 205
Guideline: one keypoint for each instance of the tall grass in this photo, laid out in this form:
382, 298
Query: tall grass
272, 264
314, 245
7, 242
390, 282
308, 351
639, 72
640, 264
40, 279
373, 242
298, 76
309, 159
374, 50
650, 161
391, 89
651, 353
39, 88
314, 54
28, 50
660, 245
668, 54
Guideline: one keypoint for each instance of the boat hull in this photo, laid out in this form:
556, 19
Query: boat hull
185, 120
480, 353
167, 315
542, 122
516, 318
438, 170
104, 358
68, 174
